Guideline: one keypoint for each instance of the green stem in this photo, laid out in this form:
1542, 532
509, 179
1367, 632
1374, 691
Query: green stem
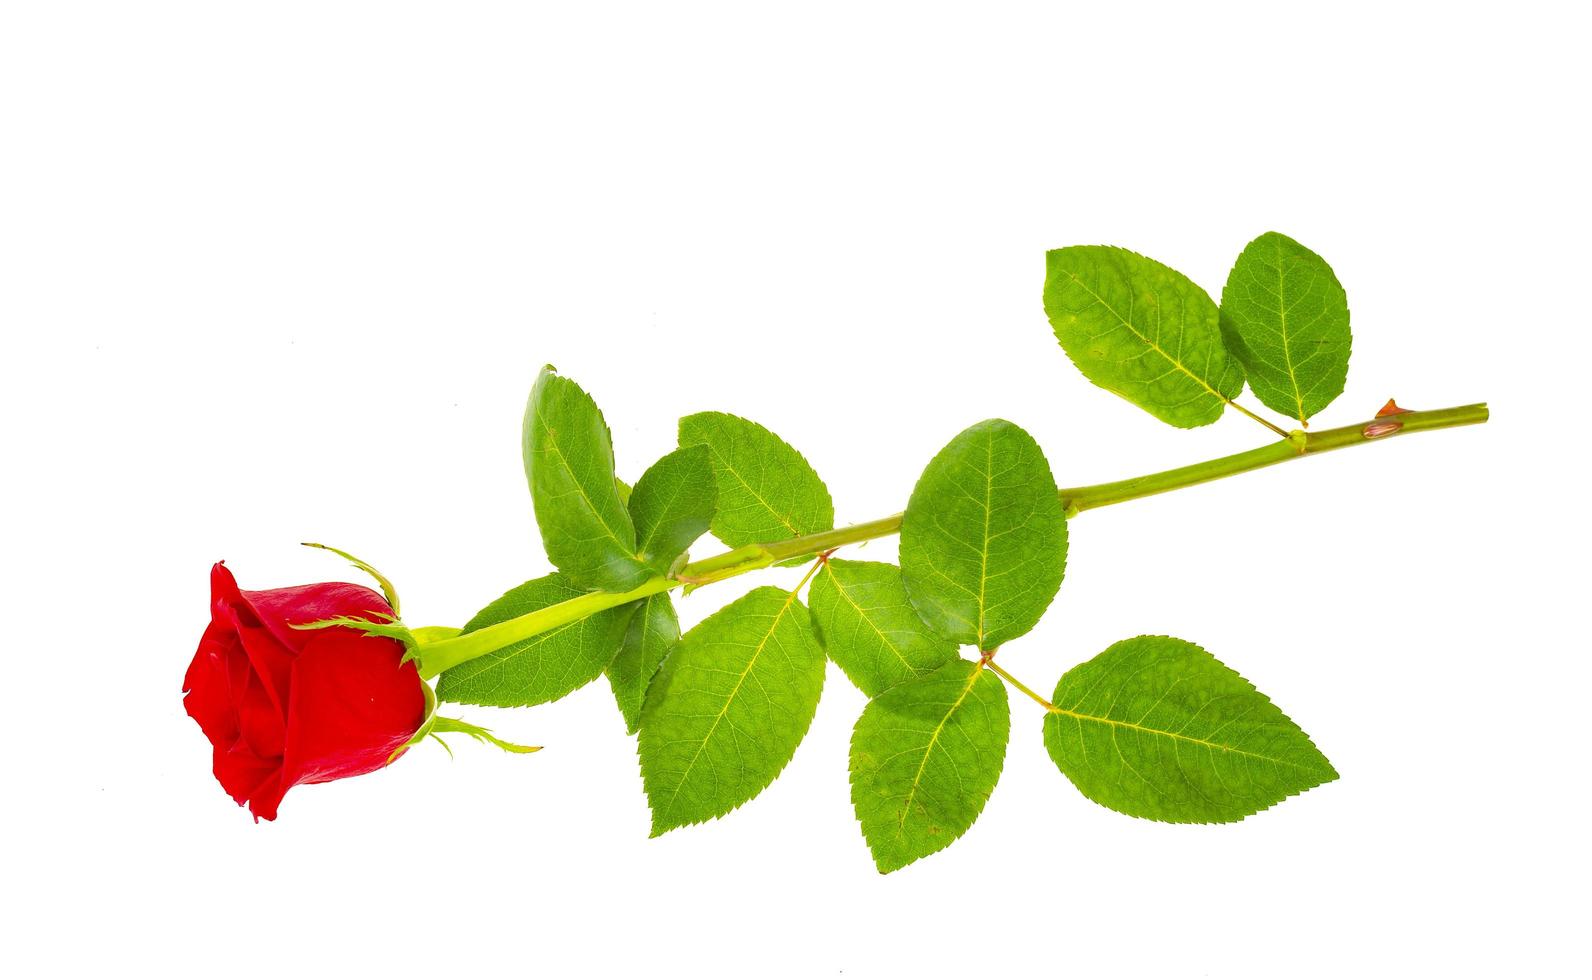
447, 653
1296, 445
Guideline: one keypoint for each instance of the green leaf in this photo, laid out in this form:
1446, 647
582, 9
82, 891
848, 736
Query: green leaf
672, 505
540, 668
984, 537
654, 630
1286, 319
728, 708
869, 627
1141, 330
925, 756
1155, 727
569, 460
767, 491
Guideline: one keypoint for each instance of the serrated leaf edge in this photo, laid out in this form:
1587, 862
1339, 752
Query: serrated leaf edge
552, 442
973, 679
982, 635
791, 601
659, 563
1128, 324
1277, 239
721, 461
1331, 773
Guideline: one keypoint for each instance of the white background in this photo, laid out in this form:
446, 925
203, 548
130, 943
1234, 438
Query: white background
285, 272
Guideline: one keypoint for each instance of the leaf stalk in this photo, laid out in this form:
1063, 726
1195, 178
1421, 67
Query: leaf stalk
1014, 682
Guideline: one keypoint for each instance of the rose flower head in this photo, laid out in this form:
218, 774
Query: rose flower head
283, 706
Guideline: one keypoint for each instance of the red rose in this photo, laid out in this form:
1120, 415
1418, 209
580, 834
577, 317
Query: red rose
283, 706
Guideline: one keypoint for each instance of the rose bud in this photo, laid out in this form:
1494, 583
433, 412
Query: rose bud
284, 706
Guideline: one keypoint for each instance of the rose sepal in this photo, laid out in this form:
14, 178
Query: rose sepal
379, 624
444, 724
425, 726
436, 725
388, 590
413, 640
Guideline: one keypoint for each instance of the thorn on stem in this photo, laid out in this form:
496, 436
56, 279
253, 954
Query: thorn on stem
1391, 408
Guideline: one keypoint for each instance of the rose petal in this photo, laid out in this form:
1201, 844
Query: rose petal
207, 686
278, 610
265, 799
272, 660
241, 772
353, 704
261, 724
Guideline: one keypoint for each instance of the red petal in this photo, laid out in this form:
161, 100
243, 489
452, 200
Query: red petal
280, 609
261, 724
241, 772
207, 686
353, 704
267, 797
270, 658
233, 704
